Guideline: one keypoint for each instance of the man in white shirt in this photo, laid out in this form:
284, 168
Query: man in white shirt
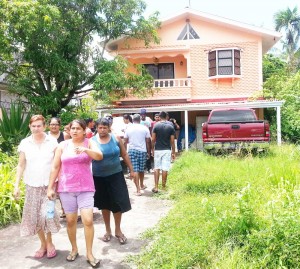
137, 137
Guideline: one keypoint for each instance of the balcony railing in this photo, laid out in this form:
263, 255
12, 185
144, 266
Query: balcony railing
167, 83
166, 89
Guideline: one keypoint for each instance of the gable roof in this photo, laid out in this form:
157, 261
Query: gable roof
269, 37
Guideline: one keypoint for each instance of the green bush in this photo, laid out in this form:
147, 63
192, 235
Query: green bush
14, 126
10, 209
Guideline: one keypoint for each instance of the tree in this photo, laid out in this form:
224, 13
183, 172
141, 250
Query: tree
285, 86
48, 48
272, 65
289, 21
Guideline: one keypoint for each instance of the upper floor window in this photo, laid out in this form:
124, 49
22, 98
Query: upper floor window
224, 62
161, 71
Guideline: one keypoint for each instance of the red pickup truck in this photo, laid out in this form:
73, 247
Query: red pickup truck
236, 128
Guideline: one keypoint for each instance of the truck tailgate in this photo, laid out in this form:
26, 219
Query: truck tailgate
236, 131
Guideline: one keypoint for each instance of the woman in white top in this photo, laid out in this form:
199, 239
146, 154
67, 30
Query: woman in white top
36, 154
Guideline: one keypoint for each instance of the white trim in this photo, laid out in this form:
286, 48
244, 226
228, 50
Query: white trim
186, 130
196, 106
278, 120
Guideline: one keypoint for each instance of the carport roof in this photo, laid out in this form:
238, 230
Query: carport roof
193, 106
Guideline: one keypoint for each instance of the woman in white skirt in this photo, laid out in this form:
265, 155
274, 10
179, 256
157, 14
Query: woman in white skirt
36, 154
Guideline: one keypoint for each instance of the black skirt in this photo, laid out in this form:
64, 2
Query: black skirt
112, 193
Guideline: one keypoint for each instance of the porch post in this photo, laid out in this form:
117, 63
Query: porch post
186, 130
278, 119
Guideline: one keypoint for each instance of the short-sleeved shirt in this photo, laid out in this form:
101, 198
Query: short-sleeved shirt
75, 171
110, 164
38, 160
163, 132
146, 122
137, 134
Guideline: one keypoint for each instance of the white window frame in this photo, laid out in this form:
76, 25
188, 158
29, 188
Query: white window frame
233, 66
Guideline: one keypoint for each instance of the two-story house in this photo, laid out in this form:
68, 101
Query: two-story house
202, 62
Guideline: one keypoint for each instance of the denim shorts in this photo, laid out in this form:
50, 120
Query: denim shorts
162, 159
71, 201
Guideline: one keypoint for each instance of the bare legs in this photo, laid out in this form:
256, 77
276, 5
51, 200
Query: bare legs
71, 229
156, 179
46, 242
164, 179
142, 175
117, 218
106, 218
139, 181
87, 220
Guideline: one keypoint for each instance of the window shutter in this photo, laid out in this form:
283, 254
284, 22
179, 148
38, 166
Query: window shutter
237, 62
212, 62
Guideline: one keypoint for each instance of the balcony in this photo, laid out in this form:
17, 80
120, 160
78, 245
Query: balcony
166, 89
169, 83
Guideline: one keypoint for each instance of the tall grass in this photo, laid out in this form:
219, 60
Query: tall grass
230, 212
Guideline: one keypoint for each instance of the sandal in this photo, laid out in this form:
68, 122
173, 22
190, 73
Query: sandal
51, 253
154, 190
144, 187
106, 237
72, 257
40, 253
94, 263
122, 239
137, 194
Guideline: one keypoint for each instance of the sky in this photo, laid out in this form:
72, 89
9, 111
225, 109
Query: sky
255, 12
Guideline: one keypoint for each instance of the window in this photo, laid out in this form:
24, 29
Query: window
225, 62
232, 116
161, 71
188, 32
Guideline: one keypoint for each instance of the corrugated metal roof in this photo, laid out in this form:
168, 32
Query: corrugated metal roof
192, 106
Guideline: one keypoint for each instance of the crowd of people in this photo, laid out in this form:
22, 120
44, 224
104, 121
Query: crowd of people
80, 165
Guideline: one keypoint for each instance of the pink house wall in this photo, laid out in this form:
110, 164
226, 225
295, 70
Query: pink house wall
195, 53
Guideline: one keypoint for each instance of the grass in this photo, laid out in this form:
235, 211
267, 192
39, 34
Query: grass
230, 212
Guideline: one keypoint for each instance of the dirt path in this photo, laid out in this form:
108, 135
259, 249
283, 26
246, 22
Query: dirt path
17, 252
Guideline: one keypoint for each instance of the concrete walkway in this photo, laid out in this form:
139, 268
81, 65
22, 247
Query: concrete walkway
17, 252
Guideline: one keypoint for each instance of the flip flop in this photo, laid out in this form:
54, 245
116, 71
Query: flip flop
106, 237
154, 190
40, 253
144, 187
72, 257
94, 263
137, 194
51, 253
122, 239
